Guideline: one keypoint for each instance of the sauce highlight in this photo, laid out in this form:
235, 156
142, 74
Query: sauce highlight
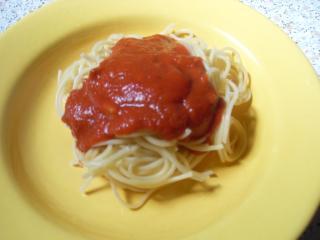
153, 85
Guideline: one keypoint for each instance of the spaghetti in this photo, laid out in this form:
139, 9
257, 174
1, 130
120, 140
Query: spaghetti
141, 162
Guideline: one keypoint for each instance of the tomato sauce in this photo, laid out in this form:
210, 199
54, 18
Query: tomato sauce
152, 85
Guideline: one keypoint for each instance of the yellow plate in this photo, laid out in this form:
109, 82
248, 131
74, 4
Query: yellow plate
270, 194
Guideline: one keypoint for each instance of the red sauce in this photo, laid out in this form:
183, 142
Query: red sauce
151, 84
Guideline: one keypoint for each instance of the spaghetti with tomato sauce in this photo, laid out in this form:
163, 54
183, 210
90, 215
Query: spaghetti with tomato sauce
145, 111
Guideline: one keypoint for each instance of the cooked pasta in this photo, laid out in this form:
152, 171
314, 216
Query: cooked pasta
142, 162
